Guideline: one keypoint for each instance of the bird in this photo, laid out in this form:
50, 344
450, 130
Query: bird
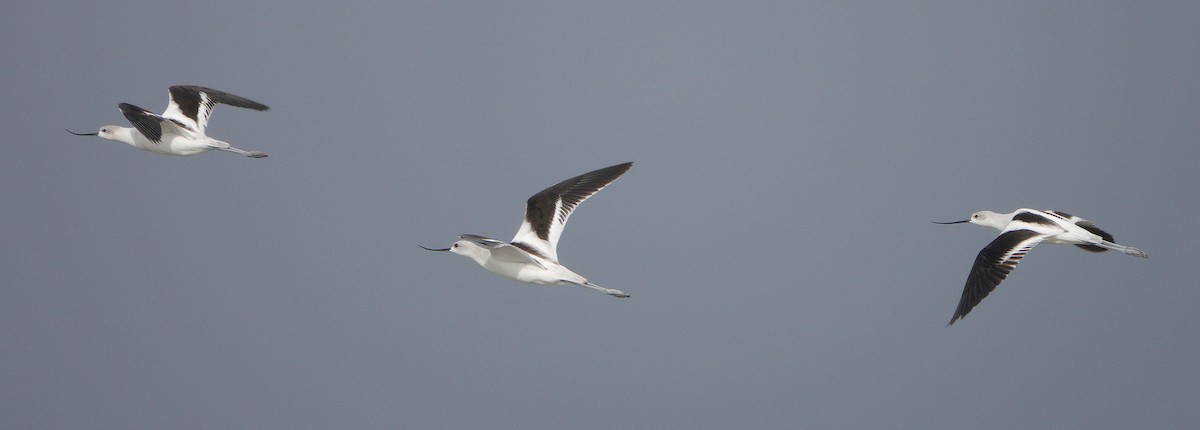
532, 255
1020, 231
180, 129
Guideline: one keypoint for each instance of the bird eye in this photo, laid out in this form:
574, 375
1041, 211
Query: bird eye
454, 246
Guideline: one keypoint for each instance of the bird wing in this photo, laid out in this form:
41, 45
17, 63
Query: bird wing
994, 262
192, 105
546, 212
149, 123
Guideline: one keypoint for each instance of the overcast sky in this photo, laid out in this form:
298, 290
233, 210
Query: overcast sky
774, 232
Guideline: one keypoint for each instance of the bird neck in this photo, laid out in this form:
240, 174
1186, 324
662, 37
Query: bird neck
125, 135
1000, 221
478, 255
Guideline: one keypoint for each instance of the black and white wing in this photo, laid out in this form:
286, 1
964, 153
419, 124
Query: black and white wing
149, 123
546, 212
994, 262
192, 105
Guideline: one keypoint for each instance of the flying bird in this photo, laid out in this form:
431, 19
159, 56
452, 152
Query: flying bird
180, 129
1020, 231
531, 256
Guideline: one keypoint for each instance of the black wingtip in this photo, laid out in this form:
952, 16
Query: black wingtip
186, 92
956, 317
623, 166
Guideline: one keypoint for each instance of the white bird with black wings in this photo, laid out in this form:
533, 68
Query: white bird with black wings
1020, 231
532, 256
180, 129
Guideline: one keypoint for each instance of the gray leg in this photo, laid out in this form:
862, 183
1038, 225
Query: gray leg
1128, 250
609, 291
251, 154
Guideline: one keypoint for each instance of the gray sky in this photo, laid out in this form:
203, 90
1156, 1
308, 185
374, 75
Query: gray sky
774, 231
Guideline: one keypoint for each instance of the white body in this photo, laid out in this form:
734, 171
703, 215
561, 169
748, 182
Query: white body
512, 262
172, 143
527, 268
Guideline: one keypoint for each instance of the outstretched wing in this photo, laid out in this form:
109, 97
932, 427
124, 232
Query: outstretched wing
994, 262
148, 123
192, 105
546, 213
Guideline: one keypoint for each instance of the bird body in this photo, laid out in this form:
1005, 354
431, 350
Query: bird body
1020, 231
531, 256
512, 262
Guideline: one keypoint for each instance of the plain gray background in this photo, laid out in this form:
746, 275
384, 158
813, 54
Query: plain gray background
774, 231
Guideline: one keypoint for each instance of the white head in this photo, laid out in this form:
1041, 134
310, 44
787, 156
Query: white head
465, 248
110, 132
986, 219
